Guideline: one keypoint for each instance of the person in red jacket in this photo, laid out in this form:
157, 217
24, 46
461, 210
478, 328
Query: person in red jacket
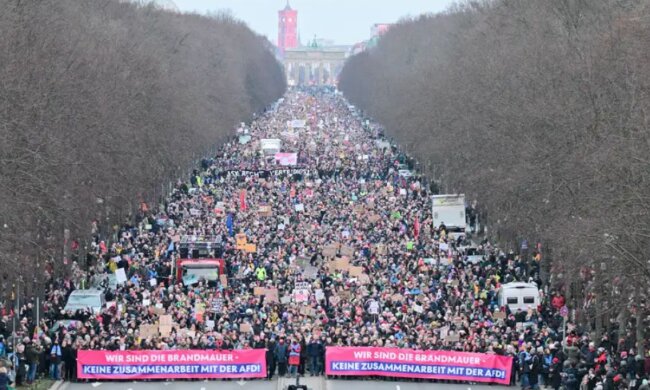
557, 301
294, 357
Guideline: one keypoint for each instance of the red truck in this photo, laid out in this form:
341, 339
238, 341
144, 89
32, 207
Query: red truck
200, 257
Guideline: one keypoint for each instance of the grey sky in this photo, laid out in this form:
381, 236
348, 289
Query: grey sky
344, 21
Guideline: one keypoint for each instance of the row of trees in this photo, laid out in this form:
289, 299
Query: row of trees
103, 101
537, 109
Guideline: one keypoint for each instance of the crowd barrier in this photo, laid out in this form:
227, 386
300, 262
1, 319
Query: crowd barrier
408, 363
176, 364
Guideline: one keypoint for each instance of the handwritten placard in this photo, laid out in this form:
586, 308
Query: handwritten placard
355, 271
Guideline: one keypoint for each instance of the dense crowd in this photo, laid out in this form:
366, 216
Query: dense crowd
346, 227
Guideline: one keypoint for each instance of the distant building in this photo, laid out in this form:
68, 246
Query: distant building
314, 65
376, 31
317, 63
379, 29
287, 29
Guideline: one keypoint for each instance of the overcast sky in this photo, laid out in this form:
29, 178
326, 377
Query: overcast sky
344, 21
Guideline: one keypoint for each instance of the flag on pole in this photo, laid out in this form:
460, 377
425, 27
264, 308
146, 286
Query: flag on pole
416, 228
230, 225
242, 200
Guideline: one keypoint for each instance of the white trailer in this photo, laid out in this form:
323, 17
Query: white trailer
449, 210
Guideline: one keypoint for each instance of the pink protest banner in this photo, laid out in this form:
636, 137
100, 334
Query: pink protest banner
409, 363
198, 364
286, 159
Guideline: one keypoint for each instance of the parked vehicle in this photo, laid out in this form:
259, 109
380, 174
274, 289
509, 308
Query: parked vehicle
519, 296
85, 299
449, 210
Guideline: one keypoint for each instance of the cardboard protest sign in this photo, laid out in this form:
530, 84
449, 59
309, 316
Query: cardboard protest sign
271, 294
165, 330
258, 291
265, 211
217, 305
148, 331
302, 261
250, 248
120, 275
444, 331
329, 252
286, 159
381, 249
500, 315
302, 291
344, 294
355, 271
165, 320
245, 327
223, 279
364, 279
302, 286
310, 272
285, 300
340, 264
347, 251
242, 240
373, 307
320, 295
307, 310
452, 338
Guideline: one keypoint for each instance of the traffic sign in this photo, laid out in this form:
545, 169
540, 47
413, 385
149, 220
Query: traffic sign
564, 311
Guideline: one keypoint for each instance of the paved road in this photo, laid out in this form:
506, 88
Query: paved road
381, 385
180, 385
273, 385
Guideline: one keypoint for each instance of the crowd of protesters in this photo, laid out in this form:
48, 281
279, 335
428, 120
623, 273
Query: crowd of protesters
389, 283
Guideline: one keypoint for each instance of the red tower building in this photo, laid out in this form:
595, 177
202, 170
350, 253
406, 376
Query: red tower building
287, 28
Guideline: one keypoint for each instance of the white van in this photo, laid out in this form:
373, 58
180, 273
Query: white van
519, 295
85, 299
271, 146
